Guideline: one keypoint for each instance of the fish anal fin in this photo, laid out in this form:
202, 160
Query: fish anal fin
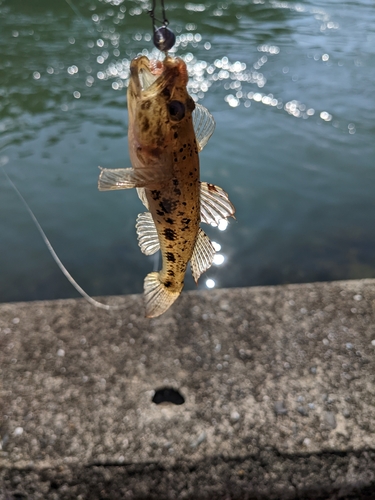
203, 255
204, 125
158, 298
148, 240
215, 204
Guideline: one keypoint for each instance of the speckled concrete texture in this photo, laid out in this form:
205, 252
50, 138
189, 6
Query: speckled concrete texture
278, 383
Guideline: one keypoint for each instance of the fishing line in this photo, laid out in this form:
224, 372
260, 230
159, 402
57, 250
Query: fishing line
74, 9
154, 18
50, 247
80, 17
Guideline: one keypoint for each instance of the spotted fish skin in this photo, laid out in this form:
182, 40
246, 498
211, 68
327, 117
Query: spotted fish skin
163, 149
175, 208
174, 203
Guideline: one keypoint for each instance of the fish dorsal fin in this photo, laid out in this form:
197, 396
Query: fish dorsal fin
215, 204
148, 240
203, 255
204, 125
142, 196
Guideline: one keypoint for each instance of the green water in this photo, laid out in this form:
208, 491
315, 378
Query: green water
291, 87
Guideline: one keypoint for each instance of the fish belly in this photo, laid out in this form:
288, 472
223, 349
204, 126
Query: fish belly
175, 209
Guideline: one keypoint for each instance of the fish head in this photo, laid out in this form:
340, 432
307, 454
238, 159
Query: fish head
159, 108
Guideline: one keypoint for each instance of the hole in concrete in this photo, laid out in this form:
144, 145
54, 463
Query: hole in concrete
168, 395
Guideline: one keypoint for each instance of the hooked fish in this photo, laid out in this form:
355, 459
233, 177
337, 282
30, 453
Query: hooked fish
167, 130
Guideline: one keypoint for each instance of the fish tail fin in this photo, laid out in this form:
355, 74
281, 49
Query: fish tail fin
157, 296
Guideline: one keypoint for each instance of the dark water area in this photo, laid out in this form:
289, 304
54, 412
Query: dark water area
291, 87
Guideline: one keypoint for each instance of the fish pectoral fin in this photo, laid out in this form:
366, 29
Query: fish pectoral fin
148, 240
142, 196
204, 125
157, 296
127, 178
215, 204
116, 178
203, 255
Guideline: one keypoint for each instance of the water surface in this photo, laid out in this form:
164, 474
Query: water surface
291, 87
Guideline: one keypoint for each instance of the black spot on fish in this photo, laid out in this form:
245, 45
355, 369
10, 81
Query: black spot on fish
175, 159
167, 205
146, 125
166, 92
170, 257
169, 234
146, 105
181, 149
184, 146
167, 284
185, 220
184, 157
175, 182
212, 187
181, 213
170, 221
190, 104
155, 194
175, 135
170, 272
184, 203
159, 212
177, 191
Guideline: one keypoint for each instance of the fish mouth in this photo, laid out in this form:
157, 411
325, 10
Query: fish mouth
147, 78
144, 74
152, 76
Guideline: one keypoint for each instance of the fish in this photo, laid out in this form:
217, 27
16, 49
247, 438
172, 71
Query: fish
167, 130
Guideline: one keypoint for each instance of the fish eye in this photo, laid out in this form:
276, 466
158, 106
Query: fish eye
176, 110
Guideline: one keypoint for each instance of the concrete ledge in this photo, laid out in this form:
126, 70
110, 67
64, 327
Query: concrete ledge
278, 385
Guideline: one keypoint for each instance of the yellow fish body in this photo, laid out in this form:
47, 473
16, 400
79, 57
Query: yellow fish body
167, 130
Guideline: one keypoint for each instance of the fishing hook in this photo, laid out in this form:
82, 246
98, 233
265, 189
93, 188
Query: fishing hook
164, 38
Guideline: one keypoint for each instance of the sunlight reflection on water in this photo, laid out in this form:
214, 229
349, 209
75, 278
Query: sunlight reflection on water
290, 87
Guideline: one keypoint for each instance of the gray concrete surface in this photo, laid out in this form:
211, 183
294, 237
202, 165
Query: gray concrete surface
278, 385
